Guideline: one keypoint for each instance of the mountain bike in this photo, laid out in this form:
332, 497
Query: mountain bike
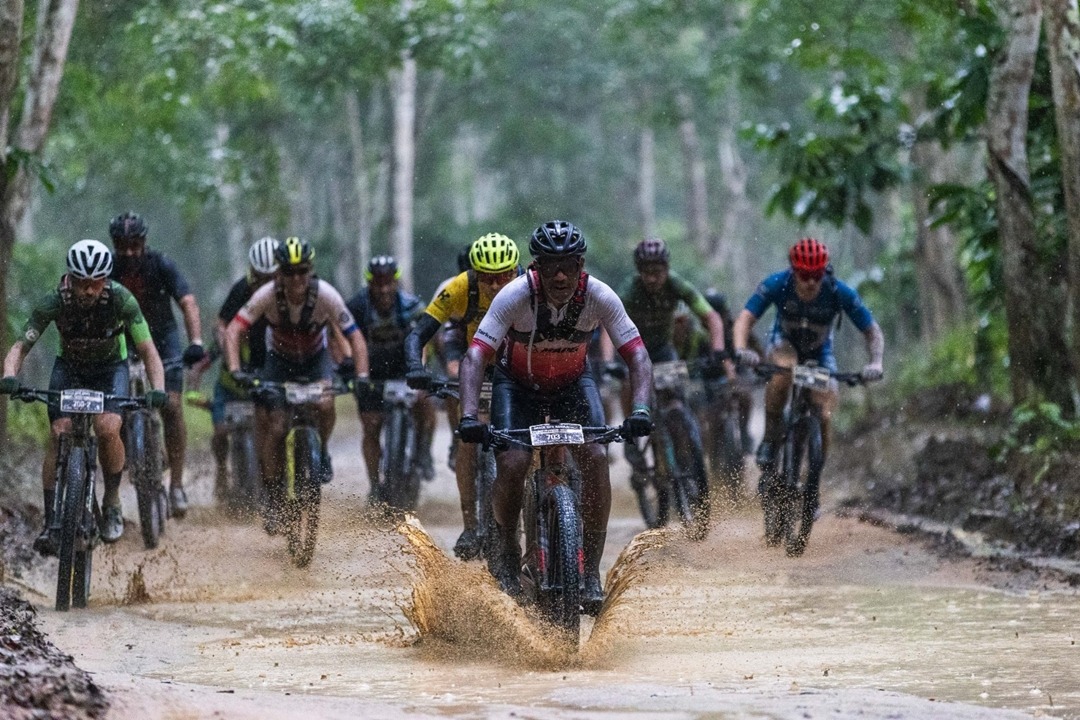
669, 465
242, 492
399, 478
485, 465
554, 556
296, 498
790, 488
143, 451
725, 444
76, 513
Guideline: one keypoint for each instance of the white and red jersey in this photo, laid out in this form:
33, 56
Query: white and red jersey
302, 333
543, 347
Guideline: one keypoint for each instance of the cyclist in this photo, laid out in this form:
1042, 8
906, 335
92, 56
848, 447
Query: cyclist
463, 301
298, 307
537, 331
92, 315
808, 297
156, 282
719, 303
261, 268
385, 314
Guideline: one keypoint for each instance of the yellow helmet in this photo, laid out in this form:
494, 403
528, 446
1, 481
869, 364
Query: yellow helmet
293, 251
493, 253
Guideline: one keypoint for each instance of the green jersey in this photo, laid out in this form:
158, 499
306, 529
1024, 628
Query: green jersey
654, 314
91, 335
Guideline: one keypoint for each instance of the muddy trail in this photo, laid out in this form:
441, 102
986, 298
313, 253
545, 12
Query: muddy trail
867, 624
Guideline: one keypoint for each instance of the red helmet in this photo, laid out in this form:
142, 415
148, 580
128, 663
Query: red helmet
809, 256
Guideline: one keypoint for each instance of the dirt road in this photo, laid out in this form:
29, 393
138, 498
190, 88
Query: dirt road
868, 624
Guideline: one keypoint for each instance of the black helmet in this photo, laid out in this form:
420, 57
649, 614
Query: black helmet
557, 237
382, 265
128, 226
293, 252
652, 250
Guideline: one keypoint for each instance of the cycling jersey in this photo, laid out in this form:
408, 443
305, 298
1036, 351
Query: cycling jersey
91, 335
545, 347
654, 313
808, 326
155, 281
298, 333
461, 300
385, 334
253, 349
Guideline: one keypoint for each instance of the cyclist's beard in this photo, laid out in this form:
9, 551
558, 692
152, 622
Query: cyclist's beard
128, 264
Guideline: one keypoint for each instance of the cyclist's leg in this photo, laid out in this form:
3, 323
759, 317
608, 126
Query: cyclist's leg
776, 395
424, 417
509, 409
826, 401
175, 431
219, 441
465, 469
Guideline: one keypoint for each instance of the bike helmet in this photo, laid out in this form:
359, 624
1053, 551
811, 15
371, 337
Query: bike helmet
128, 226
809, 256
653, 250
294, 251
382, 265
557, 237
89, 260
261, 256
494, 253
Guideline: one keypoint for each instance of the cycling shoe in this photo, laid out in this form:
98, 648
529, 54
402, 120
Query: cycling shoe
45, 544
326, 467
112, 524
178, 503
467, 546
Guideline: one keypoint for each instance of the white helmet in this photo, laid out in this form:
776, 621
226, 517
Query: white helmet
261, 256
89, 260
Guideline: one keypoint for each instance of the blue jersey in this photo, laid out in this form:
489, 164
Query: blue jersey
808, 326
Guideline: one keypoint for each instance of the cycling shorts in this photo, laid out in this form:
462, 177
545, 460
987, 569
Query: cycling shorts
823, 356
111, 379
515, 406
168, 347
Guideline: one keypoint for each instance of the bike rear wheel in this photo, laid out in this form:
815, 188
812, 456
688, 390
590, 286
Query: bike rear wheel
144, 453
74, 550
727, 457
561, 564
303, 491
690, 482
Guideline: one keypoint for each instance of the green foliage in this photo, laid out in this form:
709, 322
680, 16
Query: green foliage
1039, 430
970, 355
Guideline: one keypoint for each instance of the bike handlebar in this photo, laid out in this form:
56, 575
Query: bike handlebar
851, 379
602, 434
52, 397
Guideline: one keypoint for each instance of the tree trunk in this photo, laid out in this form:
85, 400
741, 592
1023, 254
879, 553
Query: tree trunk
647, 182
729, 249
1063, 38
227, 191
55, 20
404, 89
697, 193
942, 300
1037, 346
361, 181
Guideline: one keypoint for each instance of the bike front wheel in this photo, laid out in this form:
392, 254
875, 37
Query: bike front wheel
143, 449
401, 482
804, 495
690, 482
73, 577
561, 566
303, 493
245, 495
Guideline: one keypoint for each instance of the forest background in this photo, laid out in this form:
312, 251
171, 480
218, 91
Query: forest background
933, 144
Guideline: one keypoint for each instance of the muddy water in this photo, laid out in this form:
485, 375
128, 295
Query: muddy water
866, 624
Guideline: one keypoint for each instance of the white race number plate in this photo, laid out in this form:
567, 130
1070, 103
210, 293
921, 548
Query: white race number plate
556, 434
300, 393
811, 376
82, 402
398, 391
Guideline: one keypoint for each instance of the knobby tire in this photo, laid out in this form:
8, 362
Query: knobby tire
145, 456
301, 506
244, 494
804, 495
562, 599
401, 484
75, 479
652, 502
690, 482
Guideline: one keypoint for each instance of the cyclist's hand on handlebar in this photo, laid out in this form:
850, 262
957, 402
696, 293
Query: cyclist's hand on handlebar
9, 384
716, 365
872, 372
615, 370
243, 379
193, 354
156, 399
638, 424
365, 392
747, 357
471, 430
418, 378
346, 369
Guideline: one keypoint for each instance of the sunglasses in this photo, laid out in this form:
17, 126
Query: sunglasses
808, 276
294, 271
550, 267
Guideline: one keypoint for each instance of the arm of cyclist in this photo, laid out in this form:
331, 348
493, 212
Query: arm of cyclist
425, 329
155, 372
473, 365
359, 352
740, 334
875, 348
12, 364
